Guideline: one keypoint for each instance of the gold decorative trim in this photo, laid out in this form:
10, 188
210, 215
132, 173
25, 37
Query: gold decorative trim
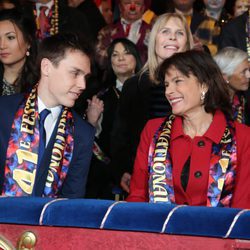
27, 241
5, 245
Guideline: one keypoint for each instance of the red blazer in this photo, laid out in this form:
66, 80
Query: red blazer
181, 147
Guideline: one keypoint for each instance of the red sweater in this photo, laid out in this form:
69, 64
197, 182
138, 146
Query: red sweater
181, 147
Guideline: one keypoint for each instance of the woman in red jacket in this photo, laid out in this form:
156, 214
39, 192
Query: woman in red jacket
198, 155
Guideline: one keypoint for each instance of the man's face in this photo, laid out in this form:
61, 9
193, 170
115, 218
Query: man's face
183, 5
74, 3
131, 10
41, 1
62, 84
214, 4
106, 10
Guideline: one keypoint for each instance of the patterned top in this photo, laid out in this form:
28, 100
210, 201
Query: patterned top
9, 89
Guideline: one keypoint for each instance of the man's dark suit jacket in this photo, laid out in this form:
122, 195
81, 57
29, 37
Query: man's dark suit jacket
234, 33
75, 181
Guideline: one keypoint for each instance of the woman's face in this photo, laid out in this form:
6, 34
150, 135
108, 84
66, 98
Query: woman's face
239, 80
123, 62
214, 4
183, 93
241, 6
13, 47
170, 39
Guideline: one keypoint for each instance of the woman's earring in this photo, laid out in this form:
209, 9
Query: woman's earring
27, 53
203, 95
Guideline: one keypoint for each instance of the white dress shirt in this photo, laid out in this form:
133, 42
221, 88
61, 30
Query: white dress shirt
49, 5
51, 119
134, 32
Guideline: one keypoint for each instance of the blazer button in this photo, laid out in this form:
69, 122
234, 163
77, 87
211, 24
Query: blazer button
201, 144
197, 174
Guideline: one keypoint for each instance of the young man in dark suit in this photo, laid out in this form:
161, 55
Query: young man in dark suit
45, 147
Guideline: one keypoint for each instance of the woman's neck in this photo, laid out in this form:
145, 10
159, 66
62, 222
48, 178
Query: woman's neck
11, 72
231, 93
123, 78
197, 124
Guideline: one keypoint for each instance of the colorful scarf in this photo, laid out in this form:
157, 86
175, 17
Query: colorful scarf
238, 108
22, 152
221, 171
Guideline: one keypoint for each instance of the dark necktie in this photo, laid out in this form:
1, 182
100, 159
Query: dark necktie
42, 134
43, 21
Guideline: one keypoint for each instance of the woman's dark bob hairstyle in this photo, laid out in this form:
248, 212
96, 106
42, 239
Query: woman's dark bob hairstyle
204, 68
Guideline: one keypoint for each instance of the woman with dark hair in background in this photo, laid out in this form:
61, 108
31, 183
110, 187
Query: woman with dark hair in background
18, 51
199, 155
123, 62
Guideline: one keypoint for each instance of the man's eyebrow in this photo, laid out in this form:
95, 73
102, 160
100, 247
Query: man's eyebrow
78, 70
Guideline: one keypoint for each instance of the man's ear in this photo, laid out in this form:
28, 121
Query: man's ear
45, 66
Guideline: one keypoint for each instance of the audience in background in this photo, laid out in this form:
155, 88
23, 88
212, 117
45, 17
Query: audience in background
240, 6
8, 4
123, 62
17, 52
105, 7
94, 18
209, 29
130, 26
186, 8
236, 33
53, 16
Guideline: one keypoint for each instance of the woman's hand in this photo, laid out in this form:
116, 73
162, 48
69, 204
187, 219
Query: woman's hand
125, 182
94, 110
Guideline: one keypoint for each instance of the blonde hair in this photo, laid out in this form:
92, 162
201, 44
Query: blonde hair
152, 63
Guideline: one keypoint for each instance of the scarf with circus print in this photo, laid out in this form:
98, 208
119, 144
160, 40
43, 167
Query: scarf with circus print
22, 153
222, 169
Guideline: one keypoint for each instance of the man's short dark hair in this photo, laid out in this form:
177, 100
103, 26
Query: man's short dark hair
55, 47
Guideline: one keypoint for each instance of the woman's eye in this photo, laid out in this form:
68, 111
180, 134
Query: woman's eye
165, 31
11, 37
127, 52
178, 81
180, 33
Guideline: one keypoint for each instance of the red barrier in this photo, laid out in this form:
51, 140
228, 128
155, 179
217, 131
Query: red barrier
67, 238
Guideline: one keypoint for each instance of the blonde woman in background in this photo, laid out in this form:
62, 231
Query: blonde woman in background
142, 97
